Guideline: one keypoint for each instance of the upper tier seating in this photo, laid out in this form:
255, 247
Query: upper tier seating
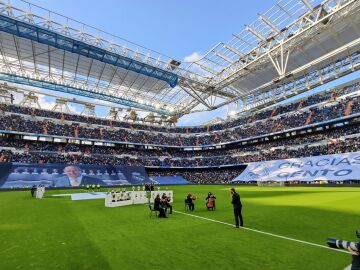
325, 96
321, 113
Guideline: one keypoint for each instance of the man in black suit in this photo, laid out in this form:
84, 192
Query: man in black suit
237, 208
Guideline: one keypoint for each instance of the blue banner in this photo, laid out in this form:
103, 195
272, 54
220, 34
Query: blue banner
15, 175
335, 167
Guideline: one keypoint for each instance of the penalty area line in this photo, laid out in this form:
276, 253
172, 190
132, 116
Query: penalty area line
266, 233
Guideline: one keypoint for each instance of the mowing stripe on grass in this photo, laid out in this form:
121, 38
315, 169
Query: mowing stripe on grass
262, 232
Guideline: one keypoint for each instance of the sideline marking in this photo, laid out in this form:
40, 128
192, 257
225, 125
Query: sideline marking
8, 249
262, 232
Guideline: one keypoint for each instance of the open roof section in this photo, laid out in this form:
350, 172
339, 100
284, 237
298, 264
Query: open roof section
42, 45
279, 54
278, 51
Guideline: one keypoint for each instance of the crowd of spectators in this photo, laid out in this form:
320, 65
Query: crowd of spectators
325, 96
350, 145
19, 123
307, 145
329, 95
218, 176
317, 108
324, 106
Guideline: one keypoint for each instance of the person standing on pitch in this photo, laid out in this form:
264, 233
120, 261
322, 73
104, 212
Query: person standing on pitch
237, 208
32, 190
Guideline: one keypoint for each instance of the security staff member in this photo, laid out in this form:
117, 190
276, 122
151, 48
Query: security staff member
237, 208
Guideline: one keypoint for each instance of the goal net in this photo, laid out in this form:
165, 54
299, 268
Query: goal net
270, 183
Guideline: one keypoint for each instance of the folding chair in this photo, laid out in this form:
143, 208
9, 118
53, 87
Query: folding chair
152, 210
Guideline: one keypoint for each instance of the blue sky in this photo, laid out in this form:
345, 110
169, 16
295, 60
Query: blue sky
173, 27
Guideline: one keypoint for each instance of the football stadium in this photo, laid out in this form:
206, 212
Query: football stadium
240, 155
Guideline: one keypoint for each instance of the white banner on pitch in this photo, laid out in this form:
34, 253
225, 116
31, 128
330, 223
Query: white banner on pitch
338, 167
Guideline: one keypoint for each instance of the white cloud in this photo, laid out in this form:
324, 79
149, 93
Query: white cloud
48, 103
195, 56
191, 120
199, 118
45, 103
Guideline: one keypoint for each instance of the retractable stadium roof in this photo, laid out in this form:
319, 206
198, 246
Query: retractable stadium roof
291, 48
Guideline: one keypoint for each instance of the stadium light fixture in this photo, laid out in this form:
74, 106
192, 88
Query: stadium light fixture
232, 113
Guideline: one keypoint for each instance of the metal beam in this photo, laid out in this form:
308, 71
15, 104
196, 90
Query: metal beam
256, 34
209, 69
270, 24
54, 39
78, 91
233, 50
195, 95
346, 62
307, 4
220, 82
227, 59
241, 39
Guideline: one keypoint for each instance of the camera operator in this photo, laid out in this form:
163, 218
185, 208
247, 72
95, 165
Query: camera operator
355, 264
353, 247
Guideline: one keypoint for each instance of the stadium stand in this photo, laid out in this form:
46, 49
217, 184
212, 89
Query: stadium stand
324, 123
201, 176
169, 180
34, 121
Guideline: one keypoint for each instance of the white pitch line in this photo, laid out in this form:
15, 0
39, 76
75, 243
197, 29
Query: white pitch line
262, 232
8, 249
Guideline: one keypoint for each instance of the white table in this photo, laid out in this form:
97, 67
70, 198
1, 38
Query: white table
122, 198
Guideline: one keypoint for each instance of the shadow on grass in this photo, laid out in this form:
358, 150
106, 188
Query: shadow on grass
262, 194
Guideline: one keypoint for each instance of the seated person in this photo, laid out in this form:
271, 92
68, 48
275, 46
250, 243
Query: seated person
210, 201
189, 201
165, 202
158, 207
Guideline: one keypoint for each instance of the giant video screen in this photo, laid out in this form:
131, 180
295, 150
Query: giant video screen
15, 175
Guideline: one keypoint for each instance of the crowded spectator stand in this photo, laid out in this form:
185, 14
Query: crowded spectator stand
323, 123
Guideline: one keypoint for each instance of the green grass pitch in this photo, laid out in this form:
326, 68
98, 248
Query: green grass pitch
57, 233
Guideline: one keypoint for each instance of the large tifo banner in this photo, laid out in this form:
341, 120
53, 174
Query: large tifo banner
14, 175
338, 167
